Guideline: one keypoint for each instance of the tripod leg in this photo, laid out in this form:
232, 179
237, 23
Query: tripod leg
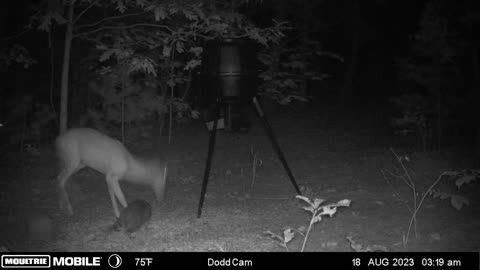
275, 144
211, 148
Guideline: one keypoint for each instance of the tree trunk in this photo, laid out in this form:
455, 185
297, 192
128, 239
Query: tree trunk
475, 85
347, 88
65, 70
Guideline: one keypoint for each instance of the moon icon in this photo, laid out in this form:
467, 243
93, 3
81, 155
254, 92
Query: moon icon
114, 261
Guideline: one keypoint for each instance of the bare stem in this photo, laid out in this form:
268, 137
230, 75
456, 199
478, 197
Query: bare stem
308, 231
417, 209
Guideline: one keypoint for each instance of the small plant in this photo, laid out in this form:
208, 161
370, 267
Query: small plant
317, 210
418, 198
407, 179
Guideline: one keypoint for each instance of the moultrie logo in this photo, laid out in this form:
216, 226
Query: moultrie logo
26, 261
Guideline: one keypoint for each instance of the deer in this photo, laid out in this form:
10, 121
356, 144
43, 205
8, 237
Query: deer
78, 148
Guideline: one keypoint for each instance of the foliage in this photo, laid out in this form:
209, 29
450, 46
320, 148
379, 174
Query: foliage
28, 120
288, 67
435, 49
15, 54
129, 103
432, 70
23, 116
418, 197
283, 240
461, 178
413, 119
161, 41
317, 210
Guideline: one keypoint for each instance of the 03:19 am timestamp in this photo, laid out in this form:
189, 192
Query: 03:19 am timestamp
404, 261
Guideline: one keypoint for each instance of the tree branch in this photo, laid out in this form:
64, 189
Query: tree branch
124, 27
83, 11
15, 36
111, 18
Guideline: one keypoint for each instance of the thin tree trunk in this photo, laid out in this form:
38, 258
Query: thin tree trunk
65, 70
475, 84
475, 58
347, 88
470, 11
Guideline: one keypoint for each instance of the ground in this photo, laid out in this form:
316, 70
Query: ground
333, 157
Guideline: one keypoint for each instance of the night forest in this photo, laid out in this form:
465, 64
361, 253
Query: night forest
240, 125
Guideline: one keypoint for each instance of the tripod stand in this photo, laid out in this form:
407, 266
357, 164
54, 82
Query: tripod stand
211, 148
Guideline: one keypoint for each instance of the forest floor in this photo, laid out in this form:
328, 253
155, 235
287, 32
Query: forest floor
333, 156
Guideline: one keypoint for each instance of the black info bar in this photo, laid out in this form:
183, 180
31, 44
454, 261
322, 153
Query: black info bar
242, 260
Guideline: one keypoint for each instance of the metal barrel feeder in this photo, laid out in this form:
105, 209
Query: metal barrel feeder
229, 80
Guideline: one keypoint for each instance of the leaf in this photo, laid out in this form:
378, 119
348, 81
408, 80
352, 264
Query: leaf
274, 236
344, 203
465, 180
309, 209
297, 64
316, 219
189, 15
305, 199
355, 246
329, 210
300, 98
54, 13
215, 18
317, 202
101, 47
144, 64
166, 51
106, 54
254, 33
197, 51
171, 83
217, 28
179, 47
440, 194
173, 10
141, 3
288, 235
290, 83
192, 64
199, 11
159, 13
120, 6
458, 201
195, 114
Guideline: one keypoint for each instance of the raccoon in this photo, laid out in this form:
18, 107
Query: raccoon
134, 216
